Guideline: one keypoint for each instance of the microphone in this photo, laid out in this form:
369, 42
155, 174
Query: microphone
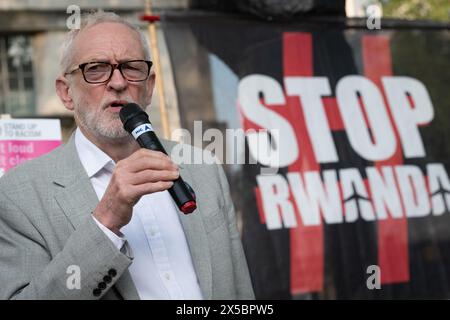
135, 120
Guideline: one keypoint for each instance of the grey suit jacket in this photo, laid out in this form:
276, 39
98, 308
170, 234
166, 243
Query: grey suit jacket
46, 227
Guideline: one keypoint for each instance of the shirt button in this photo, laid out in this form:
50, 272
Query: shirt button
167, 276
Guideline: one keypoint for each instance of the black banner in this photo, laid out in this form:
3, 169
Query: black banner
358, 124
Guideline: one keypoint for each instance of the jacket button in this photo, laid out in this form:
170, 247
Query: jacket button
107, 279
112, 272
97, 292
102, 286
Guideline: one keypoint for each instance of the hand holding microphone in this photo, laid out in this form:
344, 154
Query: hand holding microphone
136, 122
146, 171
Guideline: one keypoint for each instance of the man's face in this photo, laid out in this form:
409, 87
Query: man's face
95, 105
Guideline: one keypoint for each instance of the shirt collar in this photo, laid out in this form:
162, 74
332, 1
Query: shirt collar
92, 158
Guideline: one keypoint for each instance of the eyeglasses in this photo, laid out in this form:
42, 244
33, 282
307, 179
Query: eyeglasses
101, 72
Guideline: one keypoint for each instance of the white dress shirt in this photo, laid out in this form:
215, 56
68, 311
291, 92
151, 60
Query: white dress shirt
162, 266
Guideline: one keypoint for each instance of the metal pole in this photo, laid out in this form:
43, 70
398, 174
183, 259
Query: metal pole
158, 71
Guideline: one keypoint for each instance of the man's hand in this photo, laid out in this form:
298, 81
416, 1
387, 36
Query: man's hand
144, 172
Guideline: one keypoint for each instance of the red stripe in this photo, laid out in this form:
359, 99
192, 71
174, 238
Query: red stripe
307, 243
333, 114
392, 233
297, 51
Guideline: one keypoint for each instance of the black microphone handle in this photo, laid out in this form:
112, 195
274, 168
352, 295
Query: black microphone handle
179, 191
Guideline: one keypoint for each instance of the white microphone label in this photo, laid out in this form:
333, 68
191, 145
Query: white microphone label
146, 127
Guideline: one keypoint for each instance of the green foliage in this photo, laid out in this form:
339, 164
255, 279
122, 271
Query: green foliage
437, 10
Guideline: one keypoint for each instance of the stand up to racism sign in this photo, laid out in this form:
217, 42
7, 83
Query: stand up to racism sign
25, 139
363, 124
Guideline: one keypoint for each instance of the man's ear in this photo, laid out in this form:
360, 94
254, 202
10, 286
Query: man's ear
150, 86
64, 92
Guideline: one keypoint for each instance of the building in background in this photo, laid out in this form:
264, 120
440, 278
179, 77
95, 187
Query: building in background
31, 33
363, 8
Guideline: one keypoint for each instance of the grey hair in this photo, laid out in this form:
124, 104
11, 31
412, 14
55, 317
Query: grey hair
88, 20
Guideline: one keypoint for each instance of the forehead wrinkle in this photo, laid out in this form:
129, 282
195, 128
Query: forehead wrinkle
109, 46
105, 56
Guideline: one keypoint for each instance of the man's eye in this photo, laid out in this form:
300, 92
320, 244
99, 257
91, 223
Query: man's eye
132, 68
97, 68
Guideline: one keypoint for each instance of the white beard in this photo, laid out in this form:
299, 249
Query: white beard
93, 122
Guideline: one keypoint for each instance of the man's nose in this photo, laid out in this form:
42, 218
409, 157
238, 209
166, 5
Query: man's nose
117, 81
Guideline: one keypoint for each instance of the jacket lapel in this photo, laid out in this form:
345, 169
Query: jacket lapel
77, 197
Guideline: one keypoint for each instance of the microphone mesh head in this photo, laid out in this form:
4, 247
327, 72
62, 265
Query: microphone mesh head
129, 110
131, 115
